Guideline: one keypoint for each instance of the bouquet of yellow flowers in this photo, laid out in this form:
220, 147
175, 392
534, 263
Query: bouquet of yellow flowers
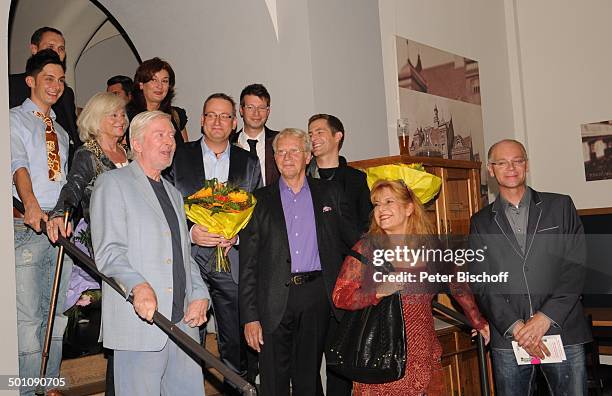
223, 209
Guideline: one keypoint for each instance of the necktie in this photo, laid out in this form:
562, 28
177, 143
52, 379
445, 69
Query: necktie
53, 155
252, 146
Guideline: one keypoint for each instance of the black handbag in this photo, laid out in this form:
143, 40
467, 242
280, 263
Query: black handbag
369, 345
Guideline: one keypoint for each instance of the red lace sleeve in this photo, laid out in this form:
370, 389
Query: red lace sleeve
462, 293
354, 288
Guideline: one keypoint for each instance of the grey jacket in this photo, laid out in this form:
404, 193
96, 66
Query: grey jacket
132, 244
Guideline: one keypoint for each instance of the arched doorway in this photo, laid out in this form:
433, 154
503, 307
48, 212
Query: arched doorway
97, 46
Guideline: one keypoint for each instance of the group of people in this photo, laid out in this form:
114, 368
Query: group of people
127, 162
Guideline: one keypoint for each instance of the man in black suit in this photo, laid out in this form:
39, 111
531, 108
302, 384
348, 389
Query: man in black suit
213, 156
291, 252
327, 134
539, 240
64, 108
256, 137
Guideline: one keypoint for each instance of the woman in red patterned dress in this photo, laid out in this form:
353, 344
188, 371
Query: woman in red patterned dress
398, 214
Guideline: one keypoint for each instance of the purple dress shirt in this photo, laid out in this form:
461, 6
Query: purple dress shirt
301, 228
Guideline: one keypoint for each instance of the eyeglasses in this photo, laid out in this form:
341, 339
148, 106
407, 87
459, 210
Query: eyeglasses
505, 164
258, 109
213, 116
291, 152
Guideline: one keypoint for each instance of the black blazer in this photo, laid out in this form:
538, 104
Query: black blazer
187, 174
355, 186
548, 277
64, 108
265, 261
272, 173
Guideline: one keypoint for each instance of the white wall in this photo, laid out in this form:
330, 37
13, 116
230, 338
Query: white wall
316, 65
8, 331
76, 19
107, 55
471, 28
564, 63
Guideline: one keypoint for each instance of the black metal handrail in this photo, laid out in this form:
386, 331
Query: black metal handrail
485, 390
179, 336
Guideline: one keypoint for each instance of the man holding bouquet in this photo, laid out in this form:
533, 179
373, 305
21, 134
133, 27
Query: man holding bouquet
210, 157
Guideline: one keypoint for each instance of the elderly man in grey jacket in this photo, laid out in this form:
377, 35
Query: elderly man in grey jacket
140, 238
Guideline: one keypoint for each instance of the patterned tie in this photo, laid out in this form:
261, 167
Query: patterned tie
53, 155
253, 146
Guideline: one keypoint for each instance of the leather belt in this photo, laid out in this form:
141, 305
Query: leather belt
302, 278
17, 214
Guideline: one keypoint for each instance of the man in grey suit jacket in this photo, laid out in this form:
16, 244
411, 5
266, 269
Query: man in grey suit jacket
140, 239
538, 239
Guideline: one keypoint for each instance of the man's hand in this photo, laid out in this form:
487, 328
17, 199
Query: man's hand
55, 227
254, 335
145, 301
196, 313
529, 335
201, 237
33, 215
228, 243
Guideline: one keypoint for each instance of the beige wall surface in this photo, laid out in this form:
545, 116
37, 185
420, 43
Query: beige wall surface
565, 62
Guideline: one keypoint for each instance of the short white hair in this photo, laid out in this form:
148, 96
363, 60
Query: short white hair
295, 132
98, 106
140, 122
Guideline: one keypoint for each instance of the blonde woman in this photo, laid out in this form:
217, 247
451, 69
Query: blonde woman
398, 218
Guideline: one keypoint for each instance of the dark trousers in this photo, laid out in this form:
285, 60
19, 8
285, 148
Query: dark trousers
230, 339
337, 385
293, 351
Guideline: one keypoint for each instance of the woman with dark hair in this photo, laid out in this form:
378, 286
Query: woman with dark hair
399, 219
153, 89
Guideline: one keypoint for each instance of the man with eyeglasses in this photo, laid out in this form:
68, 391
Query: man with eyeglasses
255, 136
291, 252
539, 240
210, 157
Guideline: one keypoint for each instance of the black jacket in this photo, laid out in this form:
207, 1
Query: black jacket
355, 187
265, 261
272, 173
187, 174
548, 277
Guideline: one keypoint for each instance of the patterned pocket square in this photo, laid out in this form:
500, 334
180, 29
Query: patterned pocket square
326, 209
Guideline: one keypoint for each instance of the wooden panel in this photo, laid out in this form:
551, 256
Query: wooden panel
448, 343
594, 211
405, 159
451, 382
469, 382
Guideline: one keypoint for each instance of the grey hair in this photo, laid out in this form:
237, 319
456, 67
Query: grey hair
139, 123
295, 132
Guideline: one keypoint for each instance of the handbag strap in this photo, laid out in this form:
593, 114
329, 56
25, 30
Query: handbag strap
385, 267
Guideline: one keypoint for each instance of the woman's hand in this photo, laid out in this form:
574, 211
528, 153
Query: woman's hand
485, 332
386, 288
55, 228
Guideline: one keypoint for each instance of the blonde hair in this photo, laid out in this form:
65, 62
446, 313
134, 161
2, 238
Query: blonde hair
140, 122
295, 132
98, 106
417, 222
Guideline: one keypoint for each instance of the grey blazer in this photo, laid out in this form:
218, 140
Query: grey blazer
132, 244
